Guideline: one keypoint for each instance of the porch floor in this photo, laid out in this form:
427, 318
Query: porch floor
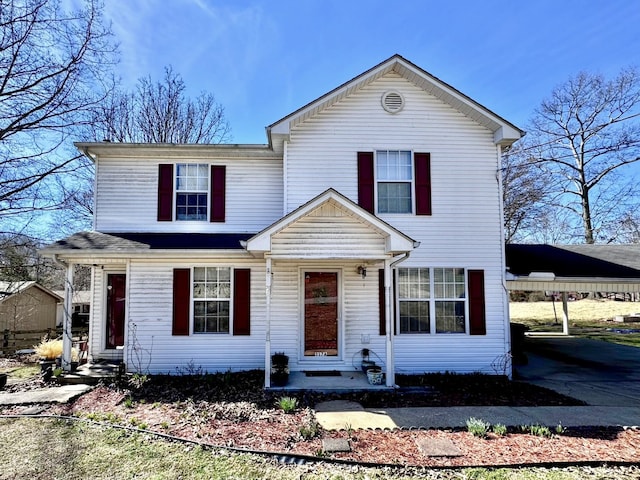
353, 380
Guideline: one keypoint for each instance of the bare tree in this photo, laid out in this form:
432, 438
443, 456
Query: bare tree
525, 194
54, 69
161, 112
585, 136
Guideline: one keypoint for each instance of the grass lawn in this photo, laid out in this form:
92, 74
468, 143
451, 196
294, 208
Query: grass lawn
47, 448
587, 318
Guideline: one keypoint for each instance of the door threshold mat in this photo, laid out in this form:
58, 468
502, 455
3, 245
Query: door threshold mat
322, 373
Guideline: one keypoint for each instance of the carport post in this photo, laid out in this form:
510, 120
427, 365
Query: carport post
565, 314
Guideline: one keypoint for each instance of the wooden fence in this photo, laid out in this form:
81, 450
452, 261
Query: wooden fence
13, 341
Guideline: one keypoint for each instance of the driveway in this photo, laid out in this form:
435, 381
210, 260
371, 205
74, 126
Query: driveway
596, 372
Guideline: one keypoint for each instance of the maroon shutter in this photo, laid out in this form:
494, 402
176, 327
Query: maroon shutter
218, 181
242, 301
477, 321
181, 300
165, 192
381, 303
423, 183
366, 181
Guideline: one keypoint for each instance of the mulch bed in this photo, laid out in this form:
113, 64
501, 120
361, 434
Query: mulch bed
233, 410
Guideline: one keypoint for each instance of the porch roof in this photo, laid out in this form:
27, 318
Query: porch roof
130, 242
330, 226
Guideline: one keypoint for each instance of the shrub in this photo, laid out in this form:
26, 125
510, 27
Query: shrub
49, 349
499, 429
540, 431
478, 427
288, 404
310, 428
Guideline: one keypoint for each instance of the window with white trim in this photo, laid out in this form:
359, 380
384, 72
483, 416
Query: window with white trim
450, 298
414, 292
432, 300
211, 299
394, 180
192, 187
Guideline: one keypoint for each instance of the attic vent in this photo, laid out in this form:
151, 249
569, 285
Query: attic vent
392, 102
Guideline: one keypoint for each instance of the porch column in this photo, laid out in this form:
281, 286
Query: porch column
66, 319
267, 341
390, 374
565, 314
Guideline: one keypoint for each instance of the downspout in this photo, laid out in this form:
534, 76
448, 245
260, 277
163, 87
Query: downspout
67, 339
389, 264
503, 263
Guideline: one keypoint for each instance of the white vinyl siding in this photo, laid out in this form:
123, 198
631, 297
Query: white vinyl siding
464, 229
127, 192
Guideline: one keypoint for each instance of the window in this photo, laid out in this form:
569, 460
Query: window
394, 176
449, 289
432, 300
414, 291
192, 185
211, 299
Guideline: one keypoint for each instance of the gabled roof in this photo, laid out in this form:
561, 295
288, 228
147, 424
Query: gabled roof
396, 241
505, 133
9, 289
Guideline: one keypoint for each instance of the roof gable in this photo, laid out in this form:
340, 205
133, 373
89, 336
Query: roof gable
331, 204
505, 133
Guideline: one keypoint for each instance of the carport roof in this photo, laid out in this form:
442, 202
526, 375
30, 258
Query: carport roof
596, 268
602, 261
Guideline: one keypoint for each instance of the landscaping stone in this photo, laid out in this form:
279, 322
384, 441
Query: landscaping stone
331, 445
438, 447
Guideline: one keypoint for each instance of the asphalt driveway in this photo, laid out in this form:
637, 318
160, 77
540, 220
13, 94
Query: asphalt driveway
596, 372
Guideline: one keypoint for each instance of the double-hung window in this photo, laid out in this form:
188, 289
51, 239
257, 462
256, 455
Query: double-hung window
414, 292
394, 177
211, 299
192, 187
432, 300
450, 299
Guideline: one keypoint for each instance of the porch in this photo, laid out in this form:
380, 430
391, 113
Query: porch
329, 381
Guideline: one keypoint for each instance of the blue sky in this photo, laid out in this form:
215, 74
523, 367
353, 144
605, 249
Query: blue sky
264, 59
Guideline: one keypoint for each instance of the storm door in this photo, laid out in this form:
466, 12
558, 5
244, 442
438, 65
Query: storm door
116, 288
321, 314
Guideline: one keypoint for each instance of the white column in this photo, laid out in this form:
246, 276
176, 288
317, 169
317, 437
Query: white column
565, 314
390, 374
66, 319
267, 341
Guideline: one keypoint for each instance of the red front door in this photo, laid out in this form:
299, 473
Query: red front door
321, 314
116, 294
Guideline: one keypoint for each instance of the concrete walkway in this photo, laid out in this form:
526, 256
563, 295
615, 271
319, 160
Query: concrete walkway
606, 376
61, 394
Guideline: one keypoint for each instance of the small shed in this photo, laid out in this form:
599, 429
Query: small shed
27, 306
573, 268
81, 303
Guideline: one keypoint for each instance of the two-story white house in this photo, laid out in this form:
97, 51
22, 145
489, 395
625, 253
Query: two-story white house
372, 219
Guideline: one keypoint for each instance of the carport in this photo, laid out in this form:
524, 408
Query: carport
573, 268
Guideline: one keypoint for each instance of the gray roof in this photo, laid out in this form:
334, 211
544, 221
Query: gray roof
578, 261
126, 242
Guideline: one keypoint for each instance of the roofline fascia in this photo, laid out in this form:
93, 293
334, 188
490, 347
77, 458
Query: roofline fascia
502, 136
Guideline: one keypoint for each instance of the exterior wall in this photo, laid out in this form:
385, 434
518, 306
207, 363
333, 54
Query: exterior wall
359, 315
127, 192
31, 309
464, 229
